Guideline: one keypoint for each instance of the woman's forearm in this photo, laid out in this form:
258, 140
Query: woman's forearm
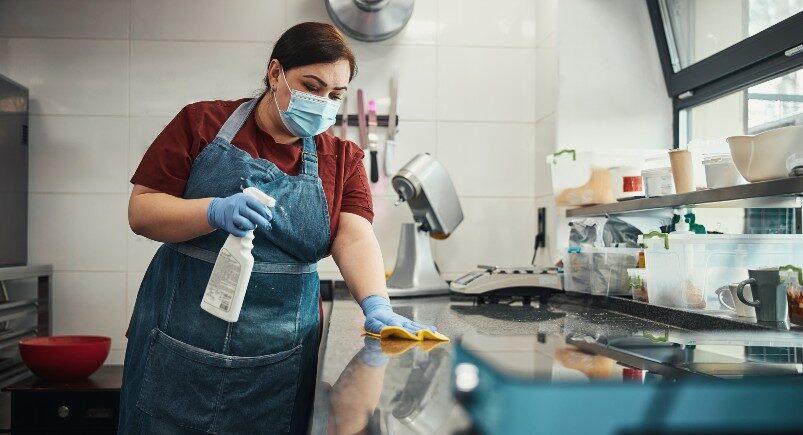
357, 254
166, 218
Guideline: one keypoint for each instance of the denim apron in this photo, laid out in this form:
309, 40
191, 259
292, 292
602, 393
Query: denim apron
187, 371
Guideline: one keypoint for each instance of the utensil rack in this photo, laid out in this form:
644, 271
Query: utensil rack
353, 120
16, 311
785, 192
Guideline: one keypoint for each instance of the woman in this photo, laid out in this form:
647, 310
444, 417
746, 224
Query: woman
187, 371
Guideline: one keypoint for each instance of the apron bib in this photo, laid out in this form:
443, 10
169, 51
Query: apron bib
187, 371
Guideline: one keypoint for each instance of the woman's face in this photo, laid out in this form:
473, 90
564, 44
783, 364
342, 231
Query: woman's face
327, 80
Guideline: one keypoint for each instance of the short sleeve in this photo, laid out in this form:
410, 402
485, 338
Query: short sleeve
167, 162
356, 190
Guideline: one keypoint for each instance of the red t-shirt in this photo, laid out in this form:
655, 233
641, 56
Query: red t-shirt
166, 165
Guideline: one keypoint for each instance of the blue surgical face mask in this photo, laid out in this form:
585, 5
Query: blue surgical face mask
307, 114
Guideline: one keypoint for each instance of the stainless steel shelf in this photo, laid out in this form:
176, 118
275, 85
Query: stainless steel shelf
786, 193
25, 272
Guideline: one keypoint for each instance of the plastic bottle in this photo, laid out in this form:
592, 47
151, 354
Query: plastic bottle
231, 273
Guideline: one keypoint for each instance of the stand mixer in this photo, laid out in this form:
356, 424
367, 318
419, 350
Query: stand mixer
425, 186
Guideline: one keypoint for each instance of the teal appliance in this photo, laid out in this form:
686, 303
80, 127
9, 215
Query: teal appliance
638, 384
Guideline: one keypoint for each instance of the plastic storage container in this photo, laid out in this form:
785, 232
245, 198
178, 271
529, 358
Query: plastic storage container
721, 172
792, 281
583, 177
637, 280
600, 271
692, 267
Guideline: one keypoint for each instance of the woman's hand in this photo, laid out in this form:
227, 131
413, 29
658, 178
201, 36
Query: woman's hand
379, 313
238, 214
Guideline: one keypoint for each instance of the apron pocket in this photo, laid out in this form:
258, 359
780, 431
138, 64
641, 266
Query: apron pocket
211, 392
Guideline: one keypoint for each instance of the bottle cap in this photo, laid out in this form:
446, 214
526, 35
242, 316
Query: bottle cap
260, 195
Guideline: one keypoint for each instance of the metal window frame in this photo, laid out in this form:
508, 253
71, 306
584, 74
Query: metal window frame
763, 56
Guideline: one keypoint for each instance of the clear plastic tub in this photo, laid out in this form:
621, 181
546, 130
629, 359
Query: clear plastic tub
688, 272
583, 177
600, 271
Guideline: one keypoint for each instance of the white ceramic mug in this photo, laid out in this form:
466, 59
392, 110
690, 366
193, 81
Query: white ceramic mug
742, 309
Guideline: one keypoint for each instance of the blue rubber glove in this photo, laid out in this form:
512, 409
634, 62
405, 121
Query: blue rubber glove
238, 214
379, 313
371, 353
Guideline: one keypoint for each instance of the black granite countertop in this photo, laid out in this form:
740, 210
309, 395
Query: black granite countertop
404, 387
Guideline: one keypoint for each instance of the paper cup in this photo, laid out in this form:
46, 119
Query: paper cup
682, 170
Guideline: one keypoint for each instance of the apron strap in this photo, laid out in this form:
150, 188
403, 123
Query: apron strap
309, 156
210, 257
236, 120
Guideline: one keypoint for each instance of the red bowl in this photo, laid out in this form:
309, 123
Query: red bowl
65, 357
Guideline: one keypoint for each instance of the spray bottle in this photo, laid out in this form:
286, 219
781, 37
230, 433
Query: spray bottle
231, 273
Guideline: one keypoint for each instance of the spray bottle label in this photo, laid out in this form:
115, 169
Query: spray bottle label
223, 281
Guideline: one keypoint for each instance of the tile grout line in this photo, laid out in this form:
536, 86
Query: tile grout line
264, 41
165, 115
535, 124
437, 82
128, 152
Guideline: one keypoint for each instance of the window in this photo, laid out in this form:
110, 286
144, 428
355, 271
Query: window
697, 29
775, 103
730, 66
770, 104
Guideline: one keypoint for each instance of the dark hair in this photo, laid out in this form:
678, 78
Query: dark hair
310, 43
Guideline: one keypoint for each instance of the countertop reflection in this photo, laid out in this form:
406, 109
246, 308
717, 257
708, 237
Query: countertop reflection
403, 387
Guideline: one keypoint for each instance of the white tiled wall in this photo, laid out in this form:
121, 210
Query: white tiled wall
546, 97
598, 85
477, 89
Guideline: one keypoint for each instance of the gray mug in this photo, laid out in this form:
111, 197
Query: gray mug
769, 298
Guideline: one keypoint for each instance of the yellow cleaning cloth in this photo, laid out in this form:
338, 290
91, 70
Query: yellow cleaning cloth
397, 347
399, 332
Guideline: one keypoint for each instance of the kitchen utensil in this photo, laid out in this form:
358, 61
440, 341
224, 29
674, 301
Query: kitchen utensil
682, 170
390, 139
64, 357
370, 20
344, 118
426, 187
769, 297
728, 296
721, 172
361, 122
792, 282
763, 156
372, 140
658, 182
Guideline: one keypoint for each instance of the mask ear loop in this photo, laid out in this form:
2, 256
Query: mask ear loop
280, 111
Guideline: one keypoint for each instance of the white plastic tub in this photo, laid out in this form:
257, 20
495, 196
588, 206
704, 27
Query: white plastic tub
688, 272
658, 182
627, 182
721, 172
